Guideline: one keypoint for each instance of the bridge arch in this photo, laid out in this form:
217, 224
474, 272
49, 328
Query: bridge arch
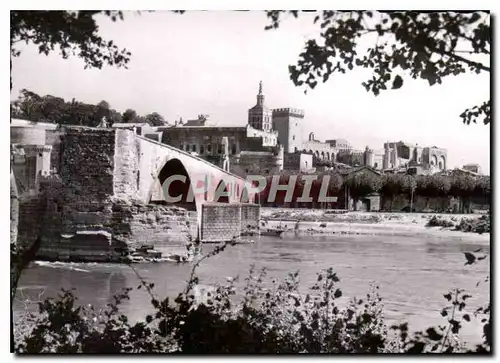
221, 191
179, 189
244, 198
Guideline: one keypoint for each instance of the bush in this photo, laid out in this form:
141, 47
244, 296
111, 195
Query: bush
279, 319
479, 225
439, 222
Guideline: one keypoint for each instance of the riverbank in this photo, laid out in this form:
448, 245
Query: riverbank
324, 222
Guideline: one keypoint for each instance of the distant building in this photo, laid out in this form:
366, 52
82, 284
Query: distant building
200, 121
339, 144
288, 123
252, 148
472, 167
260, 117
404, 155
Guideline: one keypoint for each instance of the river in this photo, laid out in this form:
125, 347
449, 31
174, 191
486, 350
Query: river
413, 273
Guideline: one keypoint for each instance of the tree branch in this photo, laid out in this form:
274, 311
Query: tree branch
467, 61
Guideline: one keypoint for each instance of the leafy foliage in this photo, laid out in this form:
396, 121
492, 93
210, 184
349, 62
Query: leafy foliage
477, 225
432, 185
362, 184
155, 119
52, 109
439, 222
31, 106
426, 45
72, 32
129, 116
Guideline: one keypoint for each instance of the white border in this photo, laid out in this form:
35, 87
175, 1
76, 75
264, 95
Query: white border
191, 5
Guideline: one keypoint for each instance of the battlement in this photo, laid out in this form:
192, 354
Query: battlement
288, 112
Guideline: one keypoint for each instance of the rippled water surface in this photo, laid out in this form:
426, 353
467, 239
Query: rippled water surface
412, 272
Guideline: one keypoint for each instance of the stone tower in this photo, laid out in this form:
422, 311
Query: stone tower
288, 123
368, 157
259, 116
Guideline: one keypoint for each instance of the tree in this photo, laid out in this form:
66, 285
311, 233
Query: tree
482, 188
391, 186
427, 45
463, 187
361, 185
129, 116
28, 106
102, 109
432, 186
155, 119
53, 109
73, 32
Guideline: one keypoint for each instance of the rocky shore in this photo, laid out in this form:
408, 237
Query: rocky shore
324, 222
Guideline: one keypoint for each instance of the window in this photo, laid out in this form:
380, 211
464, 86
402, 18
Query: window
246, 170
267, 171
194, 147
233, 149
202, 149
209, 148
293, 138
219, 149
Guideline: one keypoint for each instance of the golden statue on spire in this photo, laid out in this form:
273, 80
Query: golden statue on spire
260, 87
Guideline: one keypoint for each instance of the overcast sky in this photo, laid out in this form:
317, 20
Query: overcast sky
212, 62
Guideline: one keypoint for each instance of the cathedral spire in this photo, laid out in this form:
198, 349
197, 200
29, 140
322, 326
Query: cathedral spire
260, 96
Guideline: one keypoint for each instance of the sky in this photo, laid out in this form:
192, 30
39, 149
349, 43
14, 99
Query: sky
212, 62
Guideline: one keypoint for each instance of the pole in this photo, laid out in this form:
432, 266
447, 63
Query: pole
411, 201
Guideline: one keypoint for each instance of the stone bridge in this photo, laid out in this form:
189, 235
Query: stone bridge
91, 192
143, 165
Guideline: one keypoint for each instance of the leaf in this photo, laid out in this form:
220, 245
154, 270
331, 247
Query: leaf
447, 296
444, 312
337, 294
466, 317
398, 82
433, 334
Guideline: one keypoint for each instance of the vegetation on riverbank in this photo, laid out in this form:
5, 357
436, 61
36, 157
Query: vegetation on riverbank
476, 225
479, 225
463, 189
279, 319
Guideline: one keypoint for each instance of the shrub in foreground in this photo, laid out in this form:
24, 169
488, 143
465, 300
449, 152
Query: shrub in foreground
278, 319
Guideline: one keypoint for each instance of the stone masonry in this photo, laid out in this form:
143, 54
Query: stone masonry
94, 205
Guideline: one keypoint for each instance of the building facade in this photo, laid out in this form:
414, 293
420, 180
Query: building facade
403, 155
288, 123
475, 168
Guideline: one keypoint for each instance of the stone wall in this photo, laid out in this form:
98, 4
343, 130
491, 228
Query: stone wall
220, 222
250, 217
31, 211
419, 204
167, 228
223, 222
126, 159
87, 165
83, 201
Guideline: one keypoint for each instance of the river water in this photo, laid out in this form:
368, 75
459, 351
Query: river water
413, 272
